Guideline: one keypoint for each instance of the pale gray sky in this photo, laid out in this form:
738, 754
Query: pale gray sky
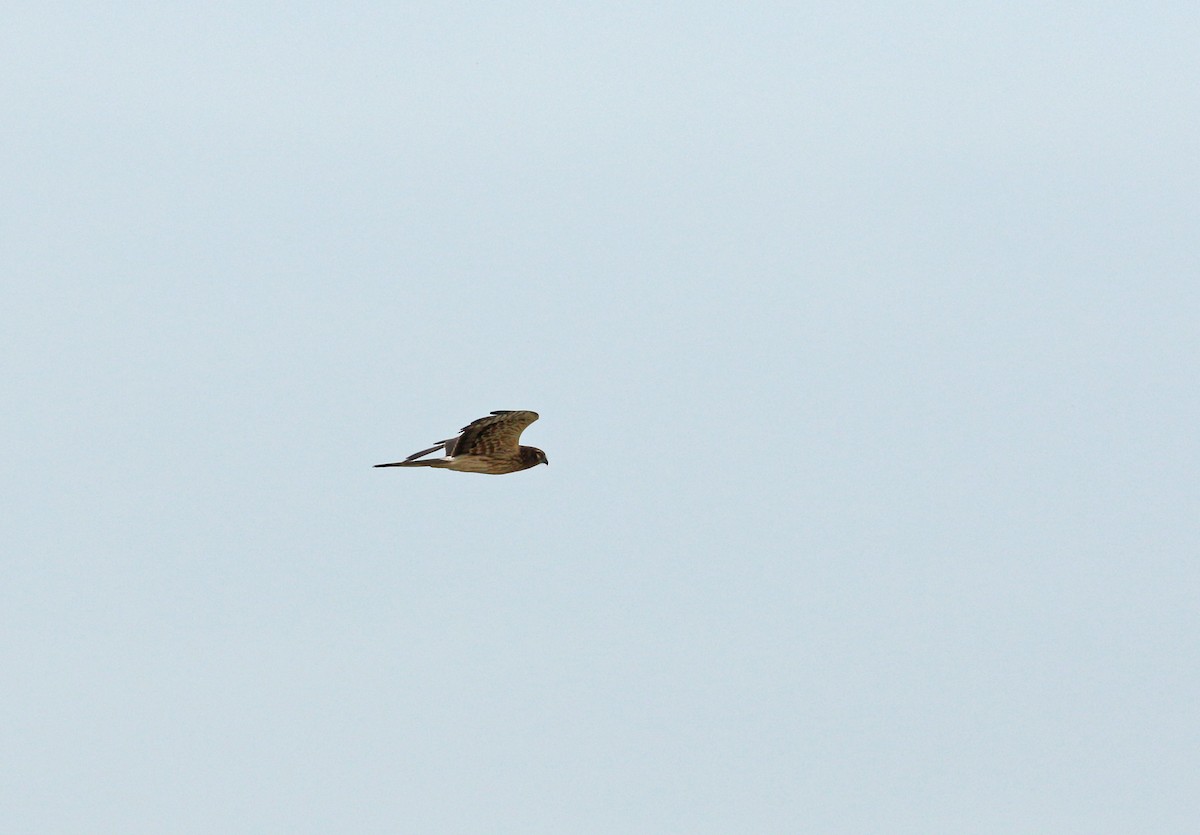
865, 340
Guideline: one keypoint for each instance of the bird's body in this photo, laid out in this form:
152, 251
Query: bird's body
488, 445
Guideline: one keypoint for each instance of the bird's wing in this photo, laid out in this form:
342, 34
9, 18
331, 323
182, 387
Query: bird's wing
497, 433
416, 455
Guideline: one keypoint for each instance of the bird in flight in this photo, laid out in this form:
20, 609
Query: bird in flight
488, 445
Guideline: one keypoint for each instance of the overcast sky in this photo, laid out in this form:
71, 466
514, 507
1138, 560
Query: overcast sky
866, 343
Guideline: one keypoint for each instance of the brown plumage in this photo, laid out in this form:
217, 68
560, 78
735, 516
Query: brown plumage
488, 445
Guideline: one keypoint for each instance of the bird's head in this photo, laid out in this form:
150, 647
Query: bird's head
535, 456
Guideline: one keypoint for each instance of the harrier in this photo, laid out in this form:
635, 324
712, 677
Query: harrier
488, 445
